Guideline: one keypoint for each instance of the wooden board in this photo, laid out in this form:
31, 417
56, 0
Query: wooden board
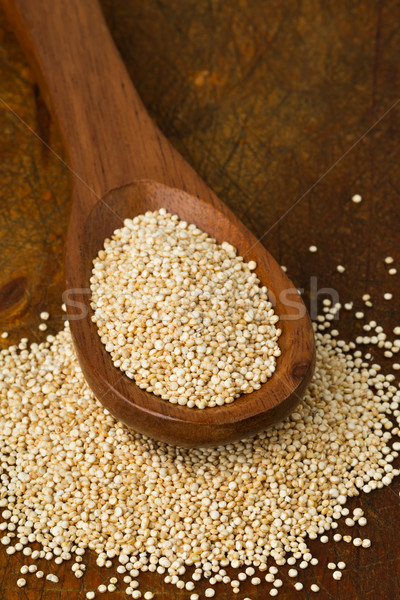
262, 99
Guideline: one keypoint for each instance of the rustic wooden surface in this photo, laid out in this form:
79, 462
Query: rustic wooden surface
262, 99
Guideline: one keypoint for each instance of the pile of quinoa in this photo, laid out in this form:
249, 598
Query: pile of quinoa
73, 478
183, 316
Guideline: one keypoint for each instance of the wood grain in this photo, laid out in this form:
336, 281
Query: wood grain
261, 108
122, 166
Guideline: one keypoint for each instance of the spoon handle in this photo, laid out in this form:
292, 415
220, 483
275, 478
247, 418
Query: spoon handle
109, 137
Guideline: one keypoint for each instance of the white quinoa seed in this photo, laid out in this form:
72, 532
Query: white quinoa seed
313, 249
44, 316
347, 539
387, 296
389, 260
314, 587
337, 575
21, 582
324, 539
356, 198
298, 586
183, 316
340, 269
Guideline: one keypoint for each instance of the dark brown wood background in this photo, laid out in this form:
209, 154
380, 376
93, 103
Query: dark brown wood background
263, 98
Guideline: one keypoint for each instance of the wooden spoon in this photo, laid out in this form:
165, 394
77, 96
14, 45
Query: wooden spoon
122, 166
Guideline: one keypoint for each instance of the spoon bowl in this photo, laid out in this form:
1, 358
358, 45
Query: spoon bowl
143, 411
123, 166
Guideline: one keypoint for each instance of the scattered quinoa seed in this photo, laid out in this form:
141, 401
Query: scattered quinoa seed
298, 586
356, 198
337, 575
194, 492
347, 539
324, 539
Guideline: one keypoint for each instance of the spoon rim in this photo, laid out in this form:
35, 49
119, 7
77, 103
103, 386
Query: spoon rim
295, 333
